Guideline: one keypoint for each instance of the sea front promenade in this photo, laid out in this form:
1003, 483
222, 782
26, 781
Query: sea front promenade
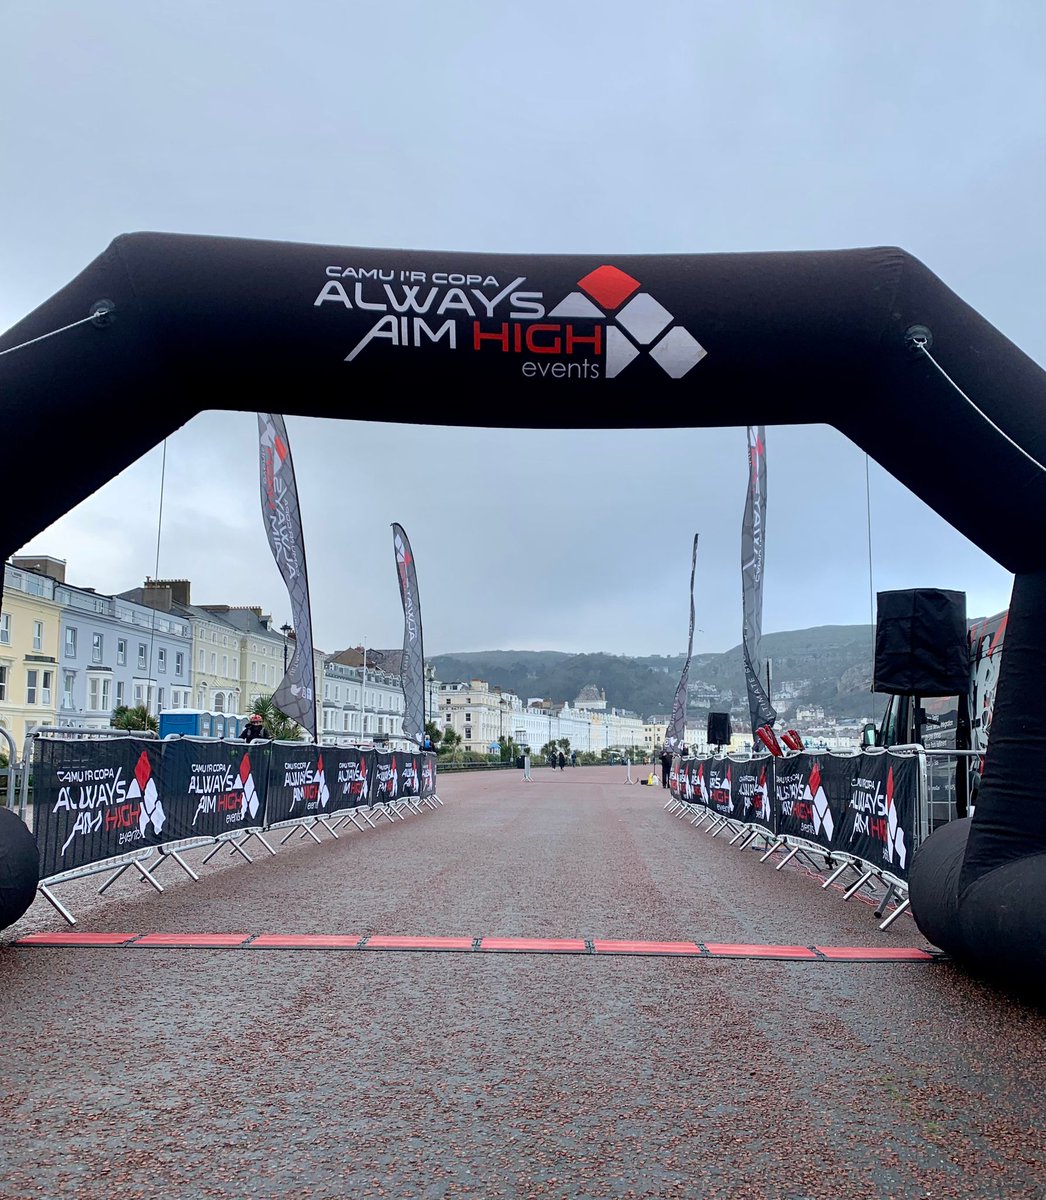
578, 1066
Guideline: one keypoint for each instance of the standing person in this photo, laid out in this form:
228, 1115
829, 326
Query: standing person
666, 766
573, 758
561, 759
255, 731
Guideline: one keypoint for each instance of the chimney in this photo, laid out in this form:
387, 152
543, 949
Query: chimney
174, 590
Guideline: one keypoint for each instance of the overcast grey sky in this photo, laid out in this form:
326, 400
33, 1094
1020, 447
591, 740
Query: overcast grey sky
590, 127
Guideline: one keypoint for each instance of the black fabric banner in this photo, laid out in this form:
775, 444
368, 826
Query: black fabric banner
753, 783
428, 775
412, 671
351, 772
675, 735
211, 789
753, 551
804, 808
720, 787
297, 783
296, 694
93, 801
878, 822
388, 775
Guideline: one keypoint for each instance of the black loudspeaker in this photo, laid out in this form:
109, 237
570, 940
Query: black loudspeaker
718, 729
920, 643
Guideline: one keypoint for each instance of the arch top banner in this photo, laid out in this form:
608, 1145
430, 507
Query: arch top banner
587, 341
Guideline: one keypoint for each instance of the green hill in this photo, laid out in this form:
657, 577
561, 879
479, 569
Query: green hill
830, 666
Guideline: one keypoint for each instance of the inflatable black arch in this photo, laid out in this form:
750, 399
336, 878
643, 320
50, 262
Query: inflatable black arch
161, 327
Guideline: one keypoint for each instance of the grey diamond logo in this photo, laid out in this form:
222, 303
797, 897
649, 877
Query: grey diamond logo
644, 318
677, 352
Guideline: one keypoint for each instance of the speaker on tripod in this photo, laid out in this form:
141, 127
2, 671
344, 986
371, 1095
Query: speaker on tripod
719, 729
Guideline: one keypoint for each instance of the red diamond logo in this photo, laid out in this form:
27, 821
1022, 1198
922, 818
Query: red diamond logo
142, 771
609, 286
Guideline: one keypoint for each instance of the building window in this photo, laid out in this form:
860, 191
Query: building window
31, 684
5, 629
219, 702
97, 645
3, 683
68, 679
179, 663
38, 635
119, 693
254, 671
468, 717
121, 652
143, 651
468, 734
225, 665
98, 693
214, 663
159, 699
161, 659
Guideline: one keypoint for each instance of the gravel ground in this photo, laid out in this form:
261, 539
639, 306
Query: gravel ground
232, 1073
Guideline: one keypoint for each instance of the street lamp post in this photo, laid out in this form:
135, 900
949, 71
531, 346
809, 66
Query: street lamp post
286, 631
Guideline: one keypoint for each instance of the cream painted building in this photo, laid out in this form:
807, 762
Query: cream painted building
29, 639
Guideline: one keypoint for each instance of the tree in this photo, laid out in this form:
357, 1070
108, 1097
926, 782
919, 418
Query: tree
509, 749
449, 743
134, 719
282, 727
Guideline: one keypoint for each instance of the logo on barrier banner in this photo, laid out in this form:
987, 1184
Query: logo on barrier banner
894, 832
409, 778
143, 788
720, 790
822, 814
428, 777
308, 785
594, 332
387, 780
250, 804
875, 816
753, 795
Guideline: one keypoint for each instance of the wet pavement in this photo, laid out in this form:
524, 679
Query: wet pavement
137, 1071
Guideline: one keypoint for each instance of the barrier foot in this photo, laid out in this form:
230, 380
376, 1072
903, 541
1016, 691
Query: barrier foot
113, 878
858, 885
367, 817
55, 903
773, 846
671, 801
180, 861
212, 852
726, 824
836, 873
747, 841
384, 812
740, 834
260, 839
902, 907
437, 799
326, 825
147, 877
353, 818
891, 891
791, 854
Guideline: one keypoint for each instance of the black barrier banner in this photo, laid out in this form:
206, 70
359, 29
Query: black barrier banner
410, 778
388, 775
212, 788
95, 801
805, 809
673, 776
428, 775
719, 784
753, 783
297, 783
351, 771
878, 822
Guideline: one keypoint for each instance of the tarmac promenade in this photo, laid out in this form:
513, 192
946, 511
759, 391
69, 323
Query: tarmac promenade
141, 1071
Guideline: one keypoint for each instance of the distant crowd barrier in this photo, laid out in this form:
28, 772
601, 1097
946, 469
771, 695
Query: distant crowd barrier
859, 812
117, 803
